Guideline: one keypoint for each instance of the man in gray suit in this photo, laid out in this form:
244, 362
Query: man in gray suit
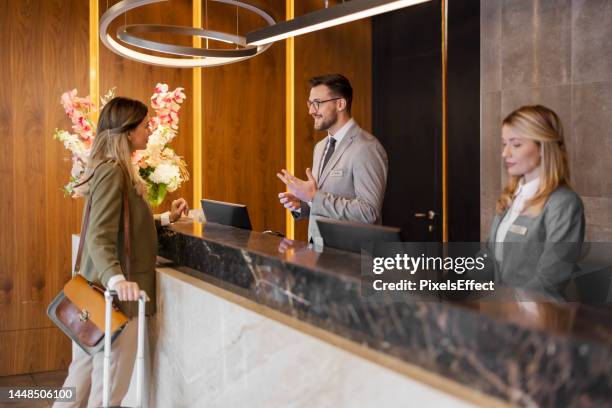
349, 172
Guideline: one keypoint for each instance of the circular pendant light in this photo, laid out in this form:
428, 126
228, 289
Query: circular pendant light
200, 57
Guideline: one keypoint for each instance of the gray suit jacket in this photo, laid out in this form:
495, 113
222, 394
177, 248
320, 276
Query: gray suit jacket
540, 253
352, 185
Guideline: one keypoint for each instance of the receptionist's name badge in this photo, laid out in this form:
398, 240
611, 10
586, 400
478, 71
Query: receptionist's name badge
518, 229
336, 173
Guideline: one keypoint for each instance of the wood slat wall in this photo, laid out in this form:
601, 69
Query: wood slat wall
345, 49
41, 58
243, 119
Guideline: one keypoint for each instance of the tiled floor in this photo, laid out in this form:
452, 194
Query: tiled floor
47, 379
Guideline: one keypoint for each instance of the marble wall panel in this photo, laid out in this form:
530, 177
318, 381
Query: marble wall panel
598, 211
490, 39
591, 45
592, 124
490, 159
535, 43
208, 351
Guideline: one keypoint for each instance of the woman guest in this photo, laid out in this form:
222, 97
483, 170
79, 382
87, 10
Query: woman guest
123, 128
539, 227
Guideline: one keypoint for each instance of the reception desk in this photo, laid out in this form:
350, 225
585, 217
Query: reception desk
245, 321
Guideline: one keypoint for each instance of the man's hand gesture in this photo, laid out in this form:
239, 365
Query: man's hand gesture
301, 189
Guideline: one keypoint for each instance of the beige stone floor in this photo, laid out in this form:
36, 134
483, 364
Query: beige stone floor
47, 379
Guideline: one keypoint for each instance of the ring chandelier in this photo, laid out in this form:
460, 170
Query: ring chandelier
202, 57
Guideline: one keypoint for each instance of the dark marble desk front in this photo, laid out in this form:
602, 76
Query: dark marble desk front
526, 353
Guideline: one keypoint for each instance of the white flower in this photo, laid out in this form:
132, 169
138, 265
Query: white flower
167, 174
169, 156
161, 137
153, 161
71, 142
161, 88
156, 151
78, 167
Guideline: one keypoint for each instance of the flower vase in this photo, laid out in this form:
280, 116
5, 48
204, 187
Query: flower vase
157, 194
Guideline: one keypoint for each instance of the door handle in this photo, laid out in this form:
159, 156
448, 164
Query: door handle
430, 214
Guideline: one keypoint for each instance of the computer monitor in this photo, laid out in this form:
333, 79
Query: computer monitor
235, 215
351, 236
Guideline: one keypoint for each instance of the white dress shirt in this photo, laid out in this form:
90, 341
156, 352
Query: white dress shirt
338, 136
524, 192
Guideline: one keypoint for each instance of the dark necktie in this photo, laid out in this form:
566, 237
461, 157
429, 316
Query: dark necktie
330, 151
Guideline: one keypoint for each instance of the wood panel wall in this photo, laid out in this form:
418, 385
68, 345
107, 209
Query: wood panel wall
137, 80
41, 58
243, 120
345, 49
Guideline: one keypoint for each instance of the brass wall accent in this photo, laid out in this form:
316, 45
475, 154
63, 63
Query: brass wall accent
94, 55
290, 111
196, 174
444, 7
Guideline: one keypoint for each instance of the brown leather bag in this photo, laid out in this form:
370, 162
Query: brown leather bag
79, 309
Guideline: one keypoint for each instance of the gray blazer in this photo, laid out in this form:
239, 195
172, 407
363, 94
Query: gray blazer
352, 185
540, 253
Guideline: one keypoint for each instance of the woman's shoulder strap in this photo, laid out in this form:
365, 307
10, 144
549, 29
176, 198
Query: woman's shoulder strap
93, 172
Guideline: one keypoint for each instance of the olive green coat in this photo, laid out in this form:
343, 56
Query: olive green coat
103, 252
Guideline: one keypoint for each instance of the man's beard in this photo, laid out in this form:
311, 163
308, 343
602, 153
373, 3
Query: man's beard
326, 124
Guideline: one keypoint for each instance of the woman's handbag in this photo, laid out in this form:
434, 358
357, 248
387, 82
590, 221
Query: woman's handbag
78, 310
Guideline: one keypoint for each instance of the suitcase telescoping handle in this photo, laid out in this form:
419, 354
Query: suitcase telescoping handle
142, 298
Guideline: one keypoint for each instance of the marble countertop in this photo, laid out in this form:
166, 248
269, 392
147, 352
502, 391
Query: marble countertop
536, 354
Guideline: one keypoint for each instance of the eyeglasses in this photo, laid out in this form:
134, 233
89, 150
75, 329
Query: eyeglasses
317, 103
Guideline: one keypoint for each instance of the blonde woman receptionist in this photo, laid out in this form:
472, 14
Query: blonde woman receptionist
123, 127
539, 224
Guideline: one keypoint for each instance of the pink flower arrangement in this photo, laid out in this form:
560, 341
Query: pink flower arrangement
161, 168
166, 105
79, 110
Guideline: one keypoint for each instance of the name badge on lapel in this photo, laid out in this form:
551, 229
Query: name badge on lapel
518, 229
336, 173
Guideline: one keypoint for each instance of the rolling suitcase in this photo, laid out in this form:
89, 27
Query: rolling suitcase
108, 296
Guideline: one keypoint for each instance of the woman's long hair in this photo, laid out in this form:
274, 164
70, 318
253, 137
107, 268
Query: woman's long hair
543, 126
118, 117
